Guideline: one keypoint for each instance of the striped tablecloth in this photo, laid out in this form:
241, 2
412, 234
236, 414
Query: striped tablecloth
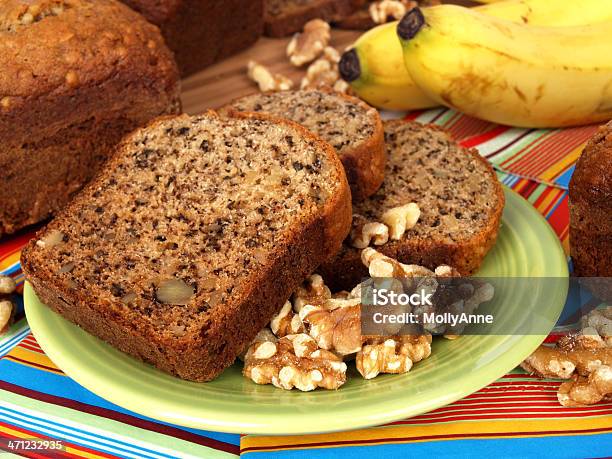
516, 416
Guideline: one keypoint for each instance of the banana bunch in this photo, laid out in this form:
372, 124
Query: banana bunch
509, 73
375, 64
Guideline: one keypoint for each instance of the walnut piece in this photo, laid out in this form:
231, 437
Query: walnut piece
266, 80
312, 291
385, 10
392, 355
305, 47
380, 265
286, 322
6, 315
7, 285
583, 391
7, 308
585, 357
363, 234
338, 329
294, 361
599, 322
264, 335
402, 218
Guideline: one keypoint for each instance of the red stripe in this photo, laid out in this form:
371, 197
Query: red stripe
484, 137
420, 438
30, 348
556, 409
13, 244
498, 417
121, 417
560, 217
37, 365
556, 147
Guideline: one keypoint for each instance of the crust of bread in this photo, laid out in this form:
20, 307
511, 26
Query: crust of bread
54, 134
288, 23
365, 164
201, 32
204, 355
346, 270
590, 204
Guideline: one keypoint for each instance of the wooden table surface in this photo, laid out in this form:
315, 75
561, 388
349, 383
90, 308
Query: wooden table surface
226, 80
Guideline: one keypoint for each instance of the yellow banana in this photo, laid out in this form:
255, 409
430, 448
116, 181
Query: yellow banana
509, 73
375, 65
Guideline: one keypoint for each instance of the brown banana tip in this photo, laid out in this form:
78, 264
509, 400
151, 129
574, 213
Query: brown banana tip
349, 66
411, 23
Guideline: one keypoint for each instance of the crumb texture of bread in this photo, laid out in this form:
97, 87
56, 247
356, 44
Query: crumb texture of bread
348, 124
77, 75
193, 237
201, 32
457, 191
285, 17
590, 196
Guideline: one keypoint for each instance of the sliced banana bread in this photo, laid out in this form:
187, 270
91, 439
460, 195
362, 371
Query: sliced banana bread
284, 17
351, 126
457, 191
193, 237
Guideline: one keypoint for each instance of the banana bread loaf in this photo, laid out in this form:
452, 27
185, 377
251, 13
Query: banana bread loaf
76, 76
201, 32
350, 125
285, 17
459, 197
590, 194
192, 238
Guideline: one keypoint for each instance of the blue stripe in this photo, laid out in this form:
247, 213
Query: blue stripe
77, 436
564, 179
62, 386
15, 267
555, 447
7, 346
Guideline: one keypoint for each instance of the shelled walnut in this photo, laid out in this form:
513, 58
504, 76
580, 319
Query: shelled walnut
7, 308
585, 358
336, 329
364, 233
266, 80
306, 46
286, 322
392, 354
294, 361
312, 291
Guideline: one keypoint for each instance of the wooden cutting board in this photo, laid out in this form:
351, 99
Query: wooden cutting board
227, 80
222, 82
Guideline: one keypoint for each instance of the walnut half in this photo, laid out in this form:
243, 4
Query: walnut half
305, 47
294, 361
392, 355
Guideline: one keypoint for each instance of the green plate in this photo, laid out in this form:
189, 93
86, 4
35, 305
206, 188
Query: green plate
526, 246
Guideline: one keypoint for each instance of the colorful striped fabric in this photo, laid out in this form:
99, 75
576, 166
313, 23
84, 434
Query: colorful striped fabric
518, 415
543, 155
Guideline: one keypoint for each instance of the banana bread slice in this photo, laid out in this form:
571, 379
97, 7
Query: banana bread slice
457, 191
285, 17
350, 125
193, 237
